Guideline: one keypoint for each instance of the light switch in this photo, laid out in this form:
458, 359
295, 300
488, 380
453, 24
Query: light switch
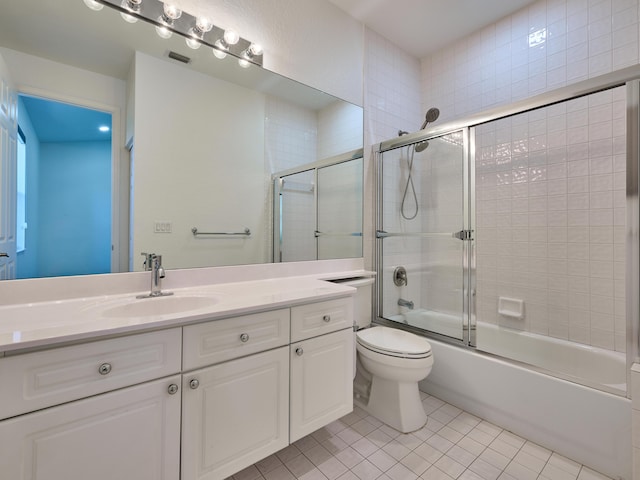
162, 227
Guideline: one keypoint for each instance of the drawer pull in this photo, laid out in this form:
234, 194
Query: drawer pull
244, 337
327, 318
194, 383
299, 351
173, 389
104, 369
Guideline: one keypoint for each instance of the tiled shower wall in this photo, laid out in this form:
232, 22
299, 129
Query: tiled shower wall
392, 103
550, 44
567, 213
550, 192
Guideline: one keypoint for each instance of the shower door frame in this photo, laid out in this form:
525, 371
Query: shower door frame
276, 191
468, 225
628, 77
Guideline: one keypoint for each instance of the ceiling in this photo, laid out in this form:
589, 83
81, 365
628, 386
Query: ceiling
421, 27
61, 122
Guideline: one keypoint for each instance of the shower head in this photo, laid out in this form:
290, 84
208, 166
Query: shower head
421, 146
431, 116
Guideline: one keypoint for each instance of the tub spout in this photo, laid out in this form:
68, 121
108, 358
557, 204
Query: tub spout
405, 303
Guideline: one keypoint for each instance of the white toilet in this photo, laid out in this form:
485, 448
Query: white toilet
390, 363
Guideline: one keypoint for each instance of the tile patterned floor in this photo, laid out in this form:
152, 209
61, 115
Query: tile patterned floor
453, 445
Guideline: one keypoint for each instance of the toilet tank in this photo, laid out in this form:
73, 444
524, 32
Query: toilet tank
363, 307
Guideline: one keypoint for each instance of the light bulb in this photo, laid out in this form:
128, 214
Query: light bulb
93, 5
220, 49
231, 37
219, 53
132, 6
163, 32
255, 49
193, 43
172, 12
244, 63
128, 18
203, 24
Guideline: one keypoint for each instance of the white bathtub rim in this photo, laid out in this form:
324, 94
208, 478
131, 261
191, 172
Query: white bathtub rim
612, 387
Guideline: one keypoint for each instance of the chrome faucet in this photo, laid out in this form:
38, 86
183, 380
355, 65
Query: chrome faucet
153, 264
405, 303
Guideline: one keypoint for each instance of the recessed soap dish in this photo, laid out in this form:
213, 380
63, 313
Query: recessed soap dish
511, 307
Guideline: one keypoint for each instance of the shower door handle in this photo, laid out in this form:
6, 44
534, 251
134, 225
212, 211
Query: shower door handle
463, 235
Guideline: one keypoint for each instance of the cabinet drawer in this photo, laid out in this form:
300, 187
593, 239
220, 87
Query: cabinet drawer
319, 318
221, 340
41, 379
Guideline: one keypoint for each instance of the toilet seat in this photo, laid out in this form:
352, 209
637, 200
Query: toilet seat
393, 342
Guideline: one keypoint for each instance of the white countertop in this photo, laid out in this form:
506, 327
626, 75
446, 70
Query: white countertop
48, 323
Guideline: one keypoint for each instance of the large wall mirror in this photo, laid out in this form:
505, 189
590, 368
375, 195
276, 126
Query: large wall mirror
203, 139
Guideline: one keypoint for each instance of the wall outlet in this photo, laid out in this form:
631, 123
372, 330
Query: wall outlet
162, 227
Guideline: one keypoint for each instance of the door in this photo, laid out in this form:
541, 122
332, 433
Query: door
321, 381
8, 174
234, 414
423, 235
133, 433
339, 205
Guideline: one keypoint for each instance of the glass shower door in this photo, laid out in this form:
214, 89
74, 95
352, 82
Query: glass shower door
423, 235
339, 208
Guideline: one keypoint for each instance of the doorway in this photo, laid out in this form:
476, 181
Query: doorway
67, 190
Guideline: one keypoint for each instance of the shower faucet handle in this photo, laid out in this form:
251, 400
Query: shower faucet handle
400, 277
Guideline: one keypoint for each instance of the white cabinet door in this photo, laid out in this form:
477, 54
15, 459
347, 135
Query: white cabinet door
234, 414
133, 433
321, 381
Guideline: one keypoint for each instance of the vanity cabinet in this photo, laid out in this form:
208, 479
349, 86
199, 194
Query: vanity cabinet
256, 392
235, 410
132, 433
194, 402
321, 381
234, 414
127, 429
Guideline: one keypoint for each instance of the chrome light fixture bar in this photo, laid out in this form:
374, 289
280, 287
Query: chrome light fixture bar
197, 32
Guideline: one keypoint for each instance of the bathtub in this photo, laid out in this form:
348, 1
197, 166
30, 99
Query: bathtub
589, 425
439, 322
591, 366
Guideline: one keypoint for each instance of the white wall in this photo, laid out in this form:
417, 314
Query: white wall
339, 129
206, 158
37, 75
313, 42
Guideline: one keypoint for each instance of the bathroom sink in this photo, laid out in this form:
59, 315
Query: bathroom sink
156, 306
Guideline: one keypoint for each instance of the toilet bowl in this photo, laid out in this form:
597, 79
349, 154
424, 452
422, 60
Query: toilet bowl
390, 363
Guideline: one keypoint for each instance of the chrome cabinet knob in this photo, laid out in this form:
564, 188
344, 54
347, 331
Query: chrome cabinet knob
173, 389
194, 383
104, 369
299, 351
244, 337
327, 318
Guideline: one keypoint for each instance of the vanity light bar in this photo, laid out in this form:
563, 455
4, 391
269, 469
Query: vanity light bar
196, 31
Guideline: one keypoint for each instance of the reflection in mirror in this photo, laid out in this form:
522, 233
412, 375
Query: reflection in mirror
318, 210
206, 137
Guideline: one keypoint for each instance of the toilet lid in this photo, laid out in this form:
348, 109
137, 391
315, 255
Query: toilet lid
393, 341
